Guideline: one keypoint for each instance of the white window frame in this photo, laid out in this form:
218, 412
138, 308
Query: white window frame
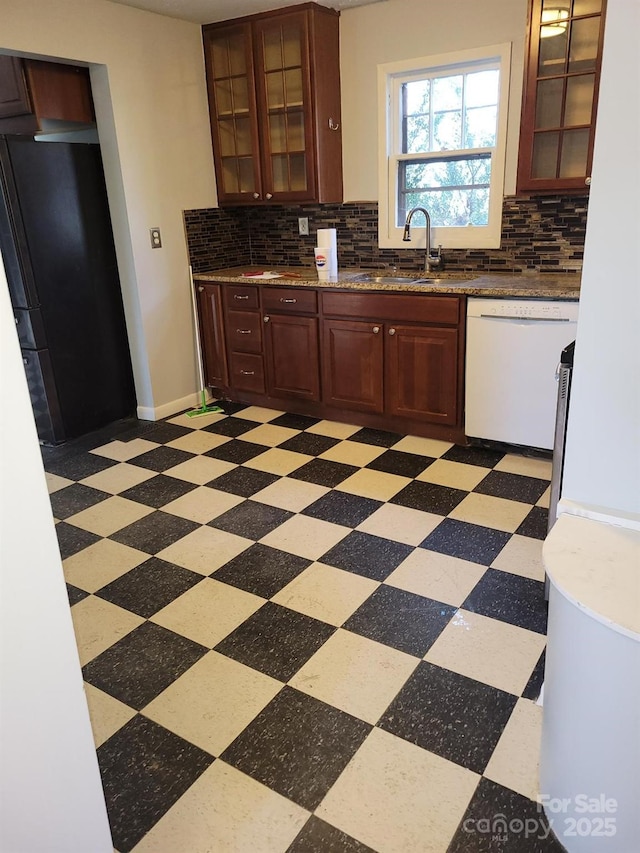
390, 78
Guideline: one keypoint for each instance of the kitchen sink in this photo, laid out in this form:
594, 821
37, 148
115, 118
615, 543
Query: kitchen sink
372, 278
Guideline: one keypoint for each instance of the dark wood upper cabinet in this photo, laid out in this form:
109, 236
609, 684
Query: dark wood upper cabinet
33, 93
562, 74
273, 82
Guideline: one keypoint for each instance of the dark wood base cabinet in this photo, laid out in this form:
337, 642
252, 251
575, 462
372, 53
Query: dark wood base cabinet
389, 361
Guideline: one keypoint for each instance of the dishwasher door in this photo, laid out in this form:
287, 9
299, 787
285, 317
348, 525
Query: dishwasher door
512, 354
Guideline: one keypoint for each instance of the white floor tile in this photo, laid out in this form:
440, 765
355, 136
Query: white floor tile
306, 537
101, 563
515, 761
436, 576
205, 550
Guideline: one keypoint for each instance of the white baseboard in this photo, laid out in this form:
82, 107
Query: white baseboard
157, 413
617, 517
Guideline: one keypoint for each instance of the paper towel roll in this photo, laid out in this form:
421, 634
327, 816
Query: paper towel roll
327, 239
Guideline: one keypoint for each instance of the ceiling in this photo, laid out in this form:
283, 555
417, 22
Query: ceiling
208, 11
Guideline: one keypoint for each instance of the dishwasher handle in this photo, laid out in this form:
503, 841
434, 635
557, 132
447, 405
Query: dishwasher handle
525, 319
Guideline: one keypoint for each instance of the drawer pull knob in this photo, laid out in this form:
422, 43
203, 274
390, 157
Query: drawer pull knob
267, 318
200, 289
243, 331
334, 125
392, 331
248, 372
376, 330
256, 195
269, 196
288, 301
236, 296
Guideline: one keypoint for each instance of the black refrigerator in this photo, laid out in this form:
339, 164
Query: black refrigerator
57, 247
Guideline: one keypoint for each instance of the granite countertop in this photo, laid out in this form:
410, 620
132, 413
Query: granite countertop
505, 285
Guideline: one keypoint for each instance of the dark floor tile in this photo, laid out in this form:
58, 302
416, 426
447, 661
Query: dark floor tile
309, 443
231, 427
316, 836
454, 716
158, 491
513, 487
230, 407
534, 685
378, 437
511, 598
468, 541
473, 456
261, 570
237, 451
243, 481
72, 499
77, 466
364, 554
149, 587
161, 458
75, 595
535, 524
251, 519
164, 432
429, 497
342, 508
403, 464
498, 820
142, 664
323, 472
154, 532
297, 746
145, 769
295, 421
72, 539
403, 620
276, 641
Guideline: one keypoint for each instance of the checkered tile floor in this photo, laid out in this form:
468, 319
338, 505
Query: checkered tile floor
300, 635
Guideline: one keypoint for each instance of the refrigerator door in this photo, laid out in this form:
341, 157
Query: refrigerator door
44, 400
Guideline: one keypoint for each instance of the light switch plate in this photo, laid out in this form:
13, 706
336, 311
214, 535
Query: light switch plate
303, 226
156, 238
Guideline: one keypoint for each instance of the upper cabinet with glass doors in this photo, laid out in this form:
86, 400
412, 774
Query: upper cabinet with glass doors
562, 74
274, 100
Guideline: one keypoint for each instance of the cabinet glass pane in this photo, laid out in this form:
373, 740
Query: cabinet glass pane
272, 47
296, 131
220, 57
237, 57
240, 92
549, 103
275, 90
278, 133
579, 99
246, 176
293, 86
584, 44
243, 136
227, 138
298, 172
291, 39
229, 175
280, 167
587, 7
553, 49
575, 149
545, 155
224, 104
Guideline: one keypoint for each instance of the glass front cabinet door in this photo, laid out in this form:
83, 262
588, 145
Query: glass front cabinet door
274, 99
562, 72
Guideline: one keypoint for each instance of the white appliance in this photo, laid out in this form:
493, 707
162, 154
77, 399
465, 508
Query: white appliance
513, 348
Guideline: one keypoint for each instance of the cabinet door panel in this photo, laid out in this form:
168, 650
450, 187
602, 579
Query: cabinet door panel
14, 98
293, 368
212, 335
422, 373
353, 365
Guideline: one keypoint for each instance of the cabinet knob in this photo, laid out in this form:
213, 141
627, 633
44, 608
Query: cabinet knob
256, 195
269, 195
288, 301
200, 289
376, 330
392, 331
587, 181
266, 318
333, 125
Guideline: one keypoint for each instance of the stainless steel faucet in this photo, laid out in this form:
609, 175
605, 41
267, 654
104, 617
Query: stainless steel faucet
432, 260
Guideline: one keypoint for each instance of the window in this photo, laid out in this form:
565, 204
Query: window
442, 141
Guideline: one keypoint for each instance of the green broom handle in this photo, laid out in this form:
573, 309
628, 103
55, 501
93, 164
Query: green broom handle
196, 327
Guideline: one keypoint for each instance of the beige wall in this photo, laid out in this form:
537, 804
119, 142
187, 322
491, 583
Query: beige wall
148, 80
405, 29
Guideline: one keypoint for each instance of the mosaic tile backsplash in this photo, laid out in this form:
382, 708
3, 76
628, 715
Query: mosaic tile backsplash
542, 233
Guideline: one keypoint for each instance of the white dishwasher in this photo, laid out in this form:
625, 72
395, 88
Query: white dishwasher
513, 348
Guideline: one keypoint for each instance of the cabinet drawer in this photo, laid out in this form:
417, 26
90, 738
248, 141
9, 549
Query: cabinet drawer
291, 300
239, 296
393, 306
247, 372
244, 331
